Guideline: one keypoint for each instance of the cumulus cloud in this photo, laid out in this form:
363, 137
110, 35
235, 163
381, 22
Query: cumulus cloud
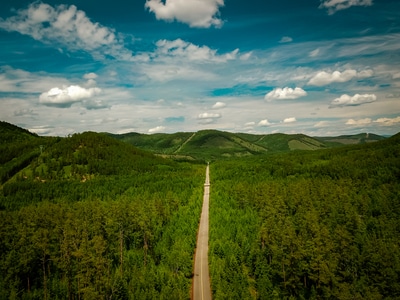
208, 118
219, 105
335, 5
388, 121
184, 50
156, 129
325, 78
195, 13
249, 125
264, 123
66, 96
361, 122
357, 99
285, 93
290, 120
380, 121
286, 39
67, 27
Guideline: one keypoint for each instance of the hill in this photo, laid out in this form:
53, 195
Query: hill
213, 144
85, 155
13, 133
203, 145
18, 148
360, 138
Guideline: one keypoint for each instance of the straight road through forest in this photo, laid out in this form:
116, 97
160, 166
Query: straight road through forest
201, 279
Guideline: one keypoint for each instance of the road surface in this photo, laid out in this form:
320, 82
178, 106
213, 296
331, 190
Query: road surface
201, 279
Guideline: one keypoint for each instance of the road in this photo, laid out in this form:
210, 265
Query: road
201, 280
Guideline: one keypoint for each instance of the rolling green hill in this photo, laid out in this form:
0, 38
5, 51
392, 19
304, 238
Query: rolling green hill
195, 146
92, 216
213, 144
18, 148
360, 138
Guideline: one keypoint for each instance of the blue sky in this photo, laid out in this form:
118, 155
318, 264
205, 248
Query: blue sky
318, 67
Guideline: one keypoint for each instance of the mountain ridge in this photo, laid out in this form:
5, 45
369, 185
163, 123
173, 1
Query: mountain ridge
204, 145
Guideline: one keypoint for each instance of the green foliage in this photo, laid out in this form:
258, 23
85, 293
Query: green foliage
131, 241
307, 225
209, 145
92, 217
10, 133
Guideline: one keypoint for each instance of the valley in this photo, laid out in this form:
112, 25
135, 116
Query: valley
100, 216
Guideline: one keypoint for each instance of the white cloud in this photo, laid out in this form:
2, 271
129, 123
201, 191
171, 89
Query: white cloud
290, 120
66, 96
285, 93
246, 56
219, 105
89, 76
208, 118
335, 5
388, 121
264, 123
357, 99
195, 13
68, 27
21, 81
286, 39
361, 122
157, 129
325, 78
187, 51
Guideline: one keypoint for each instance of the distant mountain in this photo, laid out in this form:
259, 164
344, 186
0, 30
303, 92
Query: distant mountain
190, 146
360, 138
212, 144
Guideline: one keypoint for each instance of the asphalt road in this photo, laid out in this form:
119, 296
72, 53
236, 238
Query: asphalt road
201, 279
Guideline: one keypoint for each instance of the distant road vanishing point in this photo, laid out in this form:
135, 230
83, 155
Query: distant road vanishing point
201, 280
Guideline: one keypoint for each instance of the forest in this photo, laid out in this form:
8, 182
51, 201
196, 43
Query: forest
307, 225
94, 218
91, 217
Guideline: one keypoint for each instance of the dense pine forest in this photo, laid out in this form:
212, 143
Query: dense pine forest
308, 225
90, 216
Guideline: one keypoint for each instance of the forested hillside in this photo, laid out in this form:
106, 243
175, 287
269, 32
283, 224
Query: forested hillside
90, 217
308, 225
206, 145
18, 148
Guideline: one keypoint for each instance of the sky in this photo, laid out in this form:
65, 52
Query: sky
317, 67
